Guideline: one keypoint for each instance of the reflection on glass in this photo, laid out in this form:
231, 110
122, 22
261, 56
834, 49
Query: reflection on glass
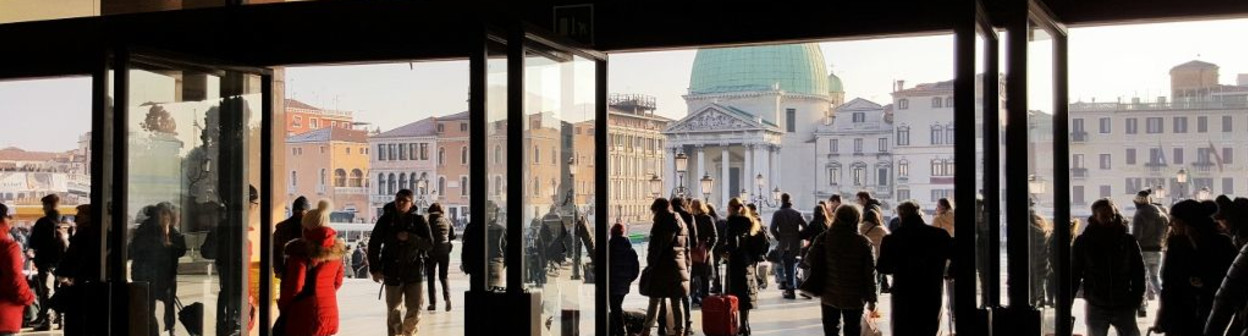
189, 203
559, 151
496, 168
1043, 286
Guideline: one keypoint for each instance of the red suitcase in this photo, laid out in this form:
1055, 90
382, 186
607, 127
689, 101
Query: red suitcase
721, 313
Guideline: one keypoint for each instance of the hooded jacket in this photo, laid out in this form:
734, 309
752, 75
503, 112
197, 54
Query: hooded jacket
844, 256
625, 267
1149, 226
309, 295
400, 261
17, 294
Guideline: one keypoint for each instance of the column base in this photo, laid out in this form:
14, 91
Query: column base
482, 317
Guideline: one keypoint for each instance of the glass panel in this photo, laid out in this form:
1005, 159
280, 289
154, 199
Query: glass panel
496, 169
559, 91
1040, 153
191, 215
984, 251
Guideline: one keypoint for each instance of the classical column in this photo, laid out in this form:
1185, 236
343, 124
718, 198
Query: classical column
669, 171
725, 194
773, 176
697, 174
747, 169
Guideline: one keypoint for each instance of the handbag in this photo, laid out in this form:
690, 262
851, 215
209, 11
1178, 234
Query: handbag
192, 317
700, 254
870, 325
645, 283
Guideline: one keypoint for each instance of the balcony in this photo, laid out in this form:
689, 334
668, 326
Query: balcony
1203, 166
1079, 173
350, 191
1079, 136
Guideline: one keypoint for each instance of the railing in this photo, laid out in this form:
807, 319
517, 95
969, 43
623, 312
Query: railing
1086, 107
1079, 173
1079, 136
351, 190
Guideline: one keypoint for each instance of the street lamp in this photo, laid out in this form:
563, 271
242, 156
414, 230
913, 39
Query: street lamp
1159, 193
1203, 194
707, 184
682, 166
656, 185
1181, 179
761, 198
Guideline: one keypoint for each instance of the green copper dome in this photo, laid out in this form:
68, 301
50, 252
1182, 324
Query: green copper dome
834, 83
797, 68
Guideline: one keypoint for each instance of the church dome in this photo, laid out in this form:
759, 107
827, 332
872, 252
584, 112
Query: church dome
796, 68
834, 84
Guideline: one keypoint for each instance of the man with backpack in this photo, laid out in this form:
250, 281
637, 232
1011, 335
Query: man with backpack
397, 252
49, 245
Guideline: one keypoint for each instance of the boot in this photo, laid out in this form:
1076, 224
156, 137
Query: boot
446, 295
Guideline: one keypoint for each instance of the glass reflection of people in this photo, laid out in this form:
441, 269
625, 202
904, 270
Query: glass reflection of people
80, 271
222, 246
154, 252
48, 245
477, 259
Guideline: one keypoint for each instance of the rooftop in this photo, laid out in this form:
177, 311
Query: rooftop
330, 134
420, 128
18, 154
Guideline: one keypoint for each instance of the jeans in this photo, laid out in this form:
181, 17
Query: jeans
832, 321
42, 290
789, 267
652, 312
1122, 319
407, 296
1152, 265
438, 262
617, 316
701, 282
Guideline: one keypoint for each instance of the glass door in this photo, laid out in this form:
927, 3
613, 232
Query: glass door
555, 106
186, 210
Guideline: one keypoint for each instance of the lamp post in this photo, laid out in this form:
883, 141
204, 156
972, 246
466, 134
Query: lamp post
707, 184
1181, 179
656, 185
1204, 194
1159, 194
682, 166
422, 186
760, 197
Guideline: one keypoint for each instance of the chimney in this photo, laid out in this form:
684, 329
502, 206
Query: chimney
901, 85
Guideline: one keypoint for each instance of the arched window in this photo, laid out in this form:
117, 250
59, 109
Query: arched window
463, 185
441, 156
949, 167
834, 174
294, 179
498, 154
938, 168
463, 155
441, 185
937, 102
324, 177
949, 134
498, 185
357, 178
381, 184
340, 178
537, 155
390, 184
413, 182
938, 135
402, 180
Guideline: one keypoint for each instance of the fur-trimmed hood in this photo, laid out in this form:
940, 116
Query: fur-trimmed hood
302, 248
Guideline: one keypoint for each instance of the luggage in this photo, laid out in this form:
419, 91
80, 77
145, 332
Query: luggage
634, 321
721, 314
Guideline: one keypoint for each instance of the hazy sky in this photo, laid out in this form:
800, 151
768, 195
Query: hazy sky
1105, 63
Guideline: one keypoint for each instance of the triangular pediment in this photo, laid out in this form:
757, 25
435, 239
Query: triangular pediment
859, 104
716, 118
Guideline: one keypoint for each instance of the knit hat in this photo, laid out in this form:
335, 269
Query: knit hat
322, 236
1142, 197
301, 204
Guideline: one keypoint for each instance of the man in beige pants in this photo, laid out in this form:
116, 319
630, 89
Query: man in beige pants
397, 252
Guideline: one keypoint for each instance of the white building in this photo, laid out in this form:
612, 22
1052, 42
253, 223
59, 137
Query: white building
402, 157
855, 151
753, 112
924, 136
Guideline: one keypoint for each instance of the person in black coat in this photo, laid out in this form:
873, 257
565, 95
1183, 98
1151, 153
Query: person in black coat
681, 207
443, 232
666, 278
704, 242
155, 250
79, 272
397, 251
717, 250
624, 270
476, 259
1197, 257
286, 231
1107, 261
745, 245
915, 255
45, 240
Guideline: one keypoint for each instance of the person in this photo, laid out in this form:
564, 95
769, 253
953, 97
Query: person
474, 254
721, 226
313, 275
1235, 217
48, 245
872, 209
1220, 217
440, 256
915, 254
745, 247
1149, 229
1229, 304
624, 270
666, 278
681, 207
286, 231
762, 270
397, 252
944, 216
787, 225
154, 252
79, 271
1108, 264
843, 257
820, 222
834, 202
359, 261
1197, 256
1038, 232
17, 292
875, 233
705, 239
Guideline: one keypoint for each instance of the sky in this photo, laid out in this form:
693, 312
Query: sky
1106, 64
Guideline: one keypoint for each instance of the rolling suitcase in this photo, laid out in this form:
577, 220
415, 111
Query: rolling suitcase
720, 313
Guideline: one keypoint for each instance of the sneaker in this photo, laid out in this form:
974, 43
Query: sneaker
789, 295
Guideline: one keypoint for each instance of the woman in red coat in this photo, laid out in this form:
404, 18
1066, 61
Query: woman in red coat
314, 270
15, 293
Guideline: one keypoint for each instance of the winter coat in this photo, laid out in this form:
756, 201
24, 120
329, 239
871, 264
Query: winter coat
153, 261
16, 294
743, 255
816, 228
82, 260
1231, 298
1190, 275
916, 255
284, 232
443, 232
49, 248
1107, 261
874, 210
312, 310
875, 233
691, 225
474, 252
707, 233
625, 267
844, 257
787, 225
1039, 254
1149, 227
721, 229
397, 260
944, 222
667, 259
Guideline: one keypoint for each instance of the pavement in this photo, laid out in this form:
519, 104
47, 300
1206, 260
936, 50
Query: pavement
361, 313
